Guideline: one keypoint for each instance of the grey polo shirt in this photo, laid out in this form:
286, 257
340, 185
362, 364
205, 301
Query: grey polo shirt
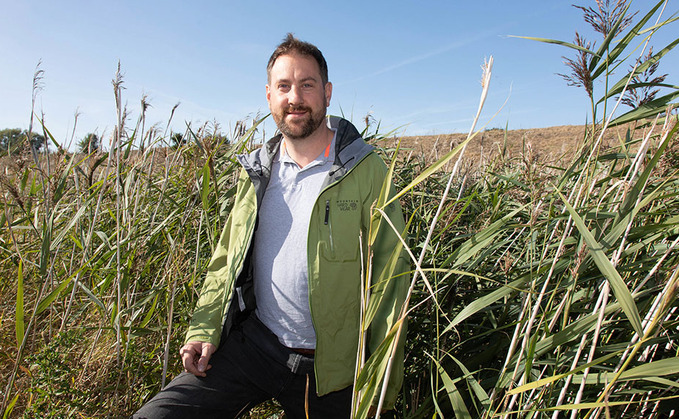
280, 247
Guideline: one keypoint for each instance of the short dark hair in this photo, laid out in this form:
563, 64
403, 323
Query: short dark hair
291, 45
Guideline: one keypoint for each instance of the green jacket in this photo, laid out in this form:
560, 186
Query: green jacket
339, 224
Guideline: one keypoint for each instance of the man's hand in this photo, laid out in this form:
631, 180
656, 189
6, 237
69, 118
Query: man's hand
195, 357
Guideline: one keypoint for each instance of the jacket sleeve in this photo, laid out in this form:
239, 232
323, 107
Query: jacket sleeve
390, 283
217, 290
206, 321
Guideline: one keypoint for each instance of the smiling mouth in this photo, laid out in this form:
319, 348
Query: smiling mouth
298, 112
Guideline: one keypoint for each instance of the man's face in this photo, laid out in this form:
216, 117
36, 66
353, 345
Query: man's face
296, 95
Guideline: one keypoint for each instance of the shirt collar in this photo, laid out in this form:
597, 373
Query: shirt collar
328, 155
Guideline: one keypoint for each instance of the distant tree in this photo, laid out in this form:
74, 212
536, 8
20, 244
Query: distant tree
89, 144
11, 137
14, 138
177, 139
39, 141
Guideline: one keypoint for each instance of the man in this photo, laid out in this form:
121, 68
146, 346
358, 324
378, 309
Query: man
279, 311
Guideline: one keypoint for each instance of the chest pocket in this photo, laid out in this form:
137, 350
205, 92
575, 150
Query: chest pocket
342, 226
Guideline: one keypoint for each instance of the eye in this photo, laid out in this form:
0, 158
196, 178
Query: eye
284, 86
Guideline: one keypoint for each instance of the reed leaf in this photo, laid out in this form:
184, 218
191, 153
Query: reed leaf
620, 85
53, 295
549, 380
10, 407
648, 110
482, 239
91, 296
476, 387
64, 232
654, 369
557, 42
485, 301
659, 25
573, 331
645, 175
604, 264
19, 324
370, 378
433, 168
459, 407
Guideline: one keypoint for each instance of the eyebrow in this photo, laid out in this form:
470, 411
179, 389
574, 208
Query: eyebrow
305, 79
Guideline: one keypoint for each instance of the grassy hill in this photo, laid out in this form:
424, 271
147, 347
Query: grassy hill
547, 145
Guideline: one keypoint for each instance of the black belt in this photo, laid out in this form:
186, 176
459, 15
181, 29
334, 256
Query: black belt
299, 361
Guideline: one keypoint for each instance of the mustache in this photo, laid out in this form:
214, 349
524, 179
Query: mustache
297, 109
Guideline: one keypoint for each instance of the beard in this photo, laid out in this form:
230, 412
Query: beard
302, 128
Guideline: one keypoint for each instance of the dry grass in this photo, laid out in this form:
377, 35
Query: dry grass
546, 145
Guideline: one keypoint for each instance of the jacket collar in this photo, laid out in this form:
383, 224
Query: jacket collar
350, 148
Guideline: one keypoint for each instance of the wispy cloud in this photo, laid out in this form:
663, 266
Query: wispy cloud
417, 58
408, 61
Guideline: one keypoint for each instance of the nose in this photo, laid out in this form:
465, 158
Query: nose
294, 96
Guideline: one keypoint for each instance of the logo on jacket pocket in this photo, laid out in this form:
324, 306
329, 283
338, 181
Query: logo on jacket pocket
347, 205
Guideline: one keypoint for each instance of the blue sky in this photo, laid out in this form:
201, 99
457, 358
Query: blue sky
414, 65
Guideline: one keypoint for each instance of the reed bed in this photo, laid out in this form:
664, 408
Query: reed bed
538, 290
552, 288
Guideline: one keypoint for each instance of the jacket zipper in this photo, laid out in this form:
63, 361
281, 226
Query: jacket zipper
327, 211
329, 224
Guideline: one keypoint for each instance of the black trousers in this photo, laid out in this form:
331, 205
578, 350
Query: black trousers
249, 367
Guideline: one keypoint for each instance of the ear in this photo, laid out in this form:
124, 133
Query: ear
328, 93
268, 95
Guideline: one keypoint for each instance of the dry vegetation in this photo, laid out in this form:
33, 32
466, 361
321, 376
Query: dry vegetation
546, 145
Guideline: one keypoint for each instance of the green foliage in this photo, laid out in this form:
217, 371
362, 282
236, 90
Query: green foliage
54, 373
60, 386
518, 286
548, 289
104, 275
177, 139
16, 139
89, 144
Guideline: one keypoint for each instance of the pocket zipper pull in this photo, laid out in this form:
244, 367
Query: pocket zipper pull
327, 211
